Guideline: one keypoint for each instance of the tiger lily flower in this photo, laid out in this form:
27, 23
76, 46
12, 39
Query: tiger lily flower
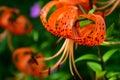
28, 62
64, 22
14, 22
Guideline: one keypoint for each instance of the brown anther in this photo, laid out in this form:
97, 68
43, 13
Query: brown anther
59, 67
49, 71
34, 60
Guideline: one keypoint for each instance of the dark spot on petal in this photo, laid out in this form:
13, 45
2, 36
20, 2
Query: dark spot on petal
88, 37
102, 36
103, 28
91, 32
56, 25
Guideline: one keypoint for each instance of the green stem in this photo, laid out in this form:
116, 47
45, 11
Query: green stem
3, 35
10, 45
101, 61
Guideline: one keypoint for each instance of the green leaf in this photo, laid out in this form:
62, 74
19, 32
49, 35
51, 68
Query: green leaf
108, 54
94, 66
92, 11
113, 74
85, 22
100, 74
110, 29
57, 76
113, 78
87, 57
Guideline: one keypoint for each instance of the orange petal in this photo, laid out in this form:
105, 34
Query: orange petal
23, 60
44, 13
21, 57
7, 15
63, 20
97, 33
84, 3
21, 26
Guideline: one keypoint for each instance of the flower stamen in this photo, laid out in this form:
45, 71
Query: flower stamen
67, 50
57, 54
106, 5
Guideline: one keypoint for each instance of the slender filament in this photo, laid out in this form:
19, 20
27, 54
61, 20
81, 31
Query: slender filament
58, 53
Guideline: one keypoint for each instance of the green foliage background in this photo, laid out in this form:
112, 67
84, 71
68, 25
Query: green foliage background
45, 42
